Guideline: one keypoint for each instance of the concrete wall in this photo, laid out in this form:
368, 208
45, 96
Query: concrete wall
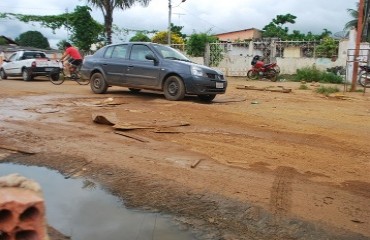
236, 61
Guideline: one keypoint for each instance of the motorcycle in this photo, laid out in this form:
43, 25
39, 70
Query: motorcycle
364, 76
262, 70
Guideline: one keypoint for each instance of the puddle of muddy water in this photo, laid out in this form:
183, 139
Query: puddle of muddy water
83, 210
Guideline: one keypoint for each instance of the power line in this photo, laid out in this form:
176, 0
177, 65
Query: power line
202, 19
28, 8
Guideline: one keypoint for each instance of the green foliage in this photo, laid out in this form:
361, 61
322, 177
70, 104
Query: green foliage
327, 90
107, 8
303, 87
121, 33
177, 30
196, 43
327, 48
162, 37
311, 74
354, 14
3, 41
85, 30
140, 37
33, 39
275, 29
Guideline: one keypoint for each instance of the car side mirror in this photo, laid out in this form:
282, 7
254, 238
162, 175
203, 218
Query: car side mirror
151, 57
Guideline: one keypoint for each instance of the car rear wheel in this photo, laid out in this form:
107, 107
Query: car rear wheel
207, 98
26, 75
98, 83
3, 74
174, 88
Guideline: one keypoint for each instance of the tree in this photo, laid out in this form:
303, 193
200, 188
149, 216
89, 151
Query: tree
84, 29
33, 39
354, 14
3, 41
177, 30
161, 37
353, 23
327, 48
140, 37
196, 43
275, 27
107, 7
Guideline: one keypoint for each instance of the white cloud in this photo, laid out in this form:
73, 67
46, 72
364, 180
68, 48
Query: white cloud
194, 15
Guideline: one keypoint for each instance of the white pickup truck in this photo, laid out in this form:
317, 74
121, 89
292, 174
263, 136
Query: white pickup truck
28, 64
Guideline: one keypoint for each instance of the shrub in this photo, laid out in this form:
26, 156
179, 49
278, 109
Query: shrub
327, 90
311, 74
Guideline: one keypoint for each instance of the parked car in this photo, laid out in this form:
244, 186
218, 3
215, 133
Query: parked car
28, 64
138, 65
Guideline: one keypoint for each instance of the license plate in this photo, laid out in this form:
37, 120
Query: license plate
48, 69
219, 85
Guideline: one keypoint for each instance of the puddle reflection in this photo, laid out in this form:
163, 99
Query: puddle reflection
81, 209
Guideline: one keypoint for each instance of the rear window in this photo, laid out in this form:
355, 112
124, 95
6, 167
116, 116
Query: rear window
117, 51
31, 55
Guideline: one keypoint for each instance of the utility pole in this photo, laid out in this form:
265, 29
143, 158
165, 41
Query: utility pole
169, 23
360, 24
169, 20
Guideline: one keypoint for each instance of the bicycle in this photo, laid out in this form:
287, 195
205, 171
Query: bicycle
58, 76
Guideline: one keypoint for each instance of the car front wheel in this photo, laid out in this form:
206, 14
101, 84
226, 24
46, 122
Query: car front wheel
3, 74
98, 84
174, 88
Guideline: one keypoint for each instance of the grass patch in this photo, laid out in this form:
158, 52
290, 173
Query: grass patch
303, 87
327, 90
311, 74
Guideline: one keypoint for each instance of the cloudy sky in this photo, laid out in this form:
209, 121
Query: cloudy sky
215, 16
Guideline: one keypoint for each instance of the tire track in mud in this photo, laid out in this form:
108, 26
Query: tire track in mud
281, 197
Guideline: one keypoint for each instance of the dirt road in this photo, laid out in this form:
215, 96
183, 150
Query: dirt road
251, 165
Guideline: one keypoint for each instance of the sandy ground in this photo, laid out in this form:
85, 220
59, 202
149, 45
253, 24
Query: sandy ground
251, 165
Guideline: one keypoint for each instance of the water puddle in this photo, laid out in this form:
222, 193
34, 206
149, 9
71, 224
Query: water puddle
83, 210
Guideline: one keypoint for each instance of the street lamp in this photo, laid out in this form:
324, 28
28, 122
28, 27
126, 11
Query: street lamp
169, 21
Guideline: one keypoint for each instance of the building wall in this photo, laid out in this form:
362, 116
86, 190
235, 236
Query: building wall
239, 35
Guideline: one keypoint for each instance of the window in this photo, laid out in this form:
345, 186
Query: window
108, 53
119, 51
138, 52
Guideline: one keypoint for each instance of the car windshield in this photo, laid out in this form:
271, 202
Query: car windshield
170, 53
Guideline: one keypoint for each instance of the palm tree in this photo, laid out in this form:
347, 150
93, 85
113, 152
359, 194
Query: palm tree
354, 14
107, 7
353, 23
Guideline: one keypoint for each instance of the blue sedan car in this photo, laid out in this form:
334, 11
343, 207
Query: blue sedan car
138, 65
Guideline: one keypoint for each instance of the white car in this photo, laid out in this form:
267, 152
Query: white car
28, 64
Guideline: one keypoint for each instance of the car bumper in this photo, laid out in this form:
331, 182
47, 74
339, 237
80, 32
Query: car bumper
200, 86
42, 71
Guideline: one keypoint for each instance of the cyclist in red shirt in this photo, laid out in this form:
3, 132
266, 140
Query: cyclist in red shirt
73, 57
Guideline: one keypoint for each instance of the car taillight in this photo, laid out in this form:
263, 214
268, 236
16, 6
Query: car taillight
33, 64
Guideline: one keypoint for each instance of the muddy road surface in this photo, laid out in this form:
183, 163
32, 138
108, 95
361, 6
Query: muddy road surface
250, 165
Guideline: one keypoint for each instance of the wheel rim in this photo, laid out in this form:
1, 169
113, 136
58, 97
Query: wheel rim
25, 75
96, 82
173, 88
